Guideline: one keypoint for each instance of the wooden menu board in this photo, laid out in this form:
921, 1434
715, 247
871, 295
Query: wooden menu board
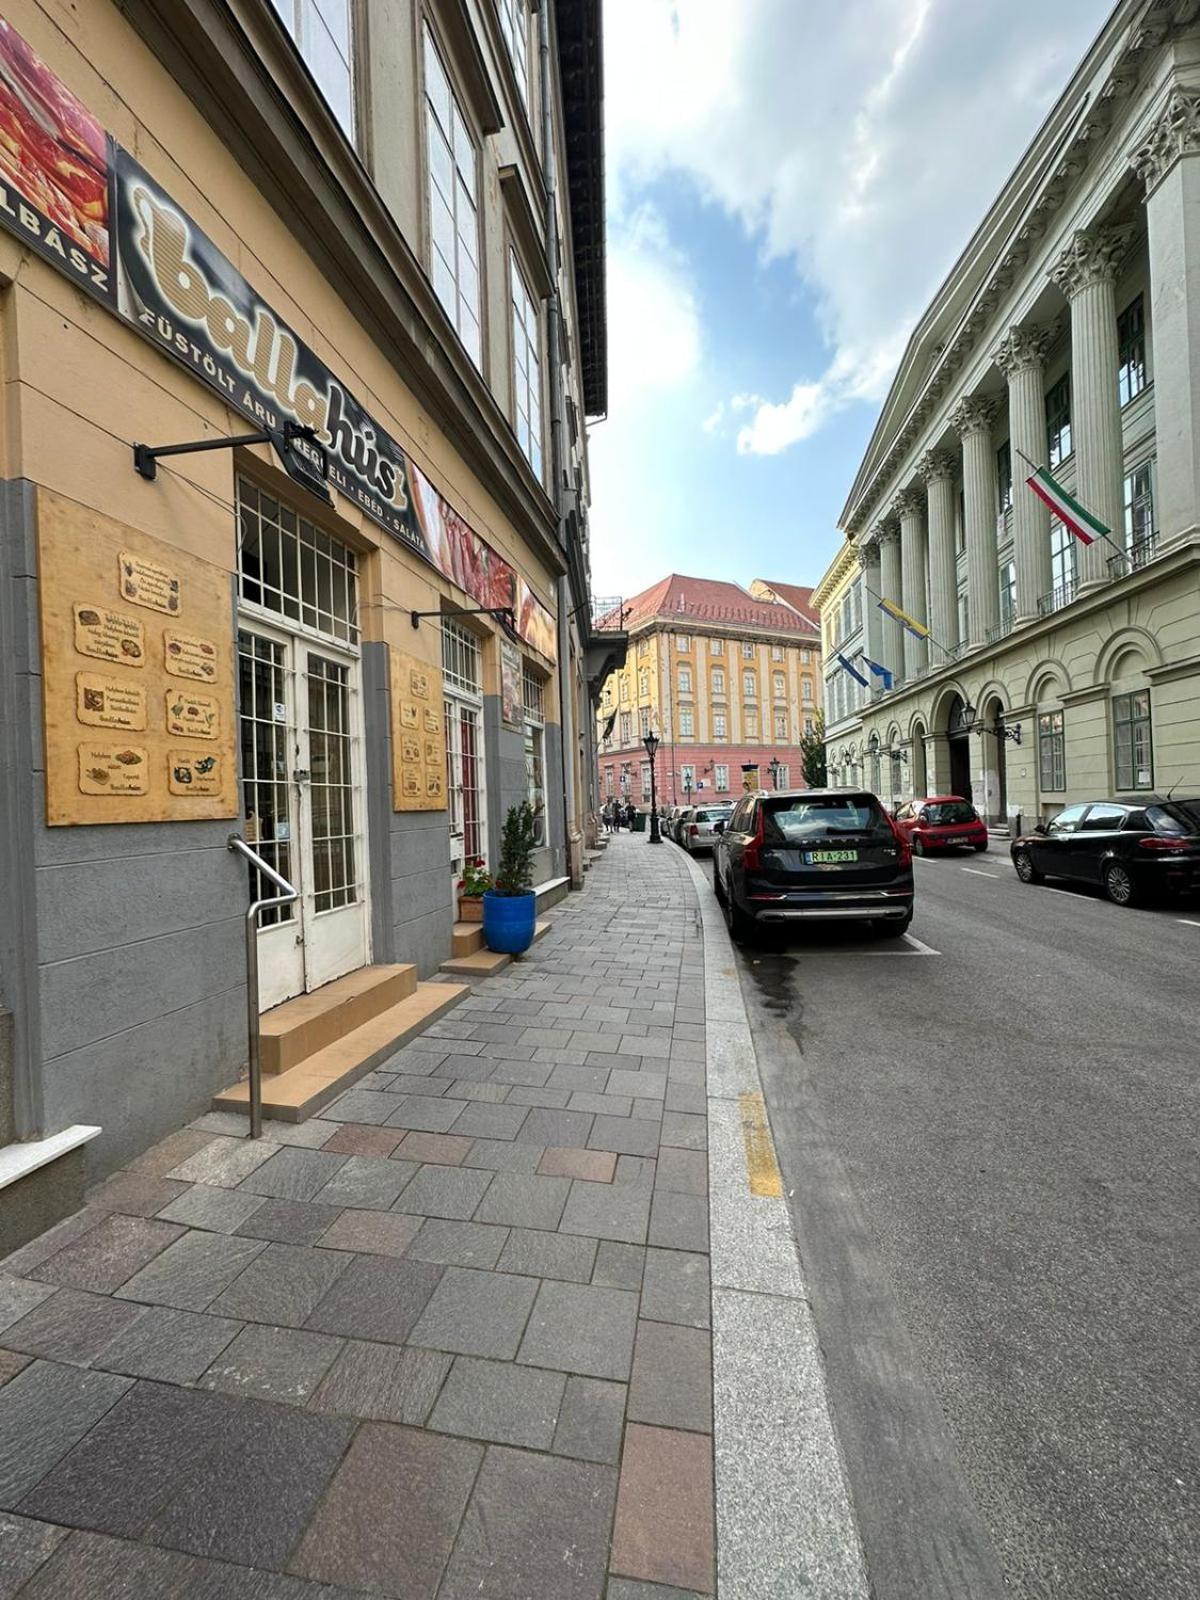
418, 735
126, 621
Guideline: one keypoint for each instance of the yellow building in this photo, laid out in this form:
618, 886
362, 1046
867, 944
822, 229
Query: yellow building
728, 678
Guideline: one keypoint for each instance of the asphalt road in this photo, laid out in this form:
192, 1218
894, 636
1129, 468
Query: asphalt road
991, 1157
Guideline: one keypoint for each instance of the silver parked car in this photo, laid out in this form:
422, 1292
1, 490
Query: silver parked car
670, 821
697, 828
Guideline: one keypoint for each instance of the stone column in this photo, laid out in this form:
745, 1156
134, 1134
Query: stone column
937, 469
869, 559
890, 588
972, 421
910, 508
1021, 358
1086, 272
1166, 164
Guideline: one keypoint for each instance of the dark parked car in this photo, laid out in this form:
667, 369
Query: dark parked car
812, 854
942, 822
1135, 850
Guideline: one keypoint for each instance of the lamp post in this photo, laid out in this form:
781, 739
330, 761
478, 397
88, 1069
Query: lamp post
651, 744
775, 769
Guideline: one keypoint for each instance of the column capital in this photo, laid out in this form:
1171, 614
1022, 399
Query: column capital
936, 466
1176, 133
887, 533
867, 551
974, 414
908, 503
1021, 348
1093, 256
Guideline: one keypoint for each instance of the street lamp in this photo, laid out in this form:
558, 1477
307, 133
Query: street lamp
651, 744
775, 769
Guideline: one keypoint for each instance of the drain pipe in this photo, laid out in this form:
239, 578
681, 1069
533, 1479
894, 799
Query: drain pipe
566, 695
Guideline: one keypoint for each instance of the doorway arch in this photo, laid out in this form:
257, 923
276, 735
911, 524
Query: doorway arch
994, 800
959, 741
920, 769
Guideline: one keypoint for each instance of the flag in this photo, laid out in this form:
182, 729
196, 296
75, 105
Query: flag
917, 629
1086, 528
608, 727
853, 671
880, 672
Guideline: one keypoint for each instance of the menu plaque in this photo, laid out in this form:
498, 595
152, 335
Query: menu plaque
113, 769
408, 715
194, 716
185, 656
192, 772
418, 685
410, 751
147, 584
102, 702
418, 741
432, 725
109, 635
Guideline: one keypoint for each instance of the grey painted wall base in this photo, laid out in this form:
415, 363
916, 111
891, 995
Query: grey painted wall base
43, 1198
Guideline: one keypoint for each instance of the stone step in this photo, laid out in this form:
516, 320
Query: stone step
466, 938
551, 892
293, 1095
481, 963
299, 1028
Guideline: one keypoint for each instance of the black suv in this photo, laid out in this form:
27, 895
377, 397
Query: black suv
811, 854
1134, 850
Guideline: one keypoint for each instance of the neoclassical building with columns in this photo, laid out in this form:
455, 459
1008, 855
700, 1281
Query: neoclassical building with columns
1066, 336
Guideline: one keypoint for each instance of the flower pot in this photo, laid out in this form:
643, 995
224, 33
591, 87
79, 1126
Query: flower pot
470, 908
509, 921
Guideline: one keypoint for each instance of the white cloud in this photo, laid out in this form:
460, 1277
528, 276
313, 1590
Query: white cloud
654, 337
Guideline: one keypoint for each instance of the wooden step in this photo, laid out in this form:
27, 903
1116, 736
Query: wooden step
466, 938
480, 963
293, 1095
299, 1028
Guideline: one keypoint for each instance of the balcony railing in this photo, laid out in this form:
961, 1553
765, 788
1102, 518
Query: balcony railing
1056, 599
998, 630
609, 614
1139, 554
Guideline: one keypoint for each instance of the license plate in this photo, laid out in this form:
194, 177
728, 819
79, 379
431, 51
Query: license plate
826, 858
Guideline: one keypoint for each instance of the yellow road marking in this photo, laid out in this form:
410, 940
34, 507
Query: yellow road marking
761, 1164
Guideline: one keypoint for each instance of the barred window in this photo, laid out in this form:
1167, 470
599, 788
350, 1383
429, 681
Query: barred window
288, 565
461, 658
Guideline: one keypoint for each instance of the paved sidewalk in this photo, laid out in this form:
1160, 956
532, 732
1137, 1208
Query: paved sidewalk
451, 1339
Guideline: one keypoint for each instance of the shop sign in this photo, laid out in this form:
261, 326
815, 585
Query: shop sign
86, 205
511, 696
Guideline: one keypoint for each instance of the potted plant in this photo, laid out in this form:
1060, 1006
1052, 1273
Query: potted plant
472, 886
510, 906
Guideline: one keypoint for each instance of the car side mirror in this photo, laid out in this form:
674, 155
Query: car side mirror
718, 827
1041, 828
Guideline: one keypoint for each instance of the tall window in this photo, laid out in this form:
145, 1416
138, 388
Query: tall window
462, 678
780, 685
749, 685
750, 721
718, 680
716, 647
806, 686
1058, 421
644, 721
324, 37
1062, 565
645, 780
719, 725
1004, 478
685, 680
721, 779
964, 618
687, 722
527, 368
747, 651
535, 752
643, 683
626, 728
785, 776
776, 652
1132, 744
1139, 515
1131, 351
781, 725
453, 204
643, 647
624, 689
683, 642
1008, 595
514, 25
805, 657
960, 525
1052, 754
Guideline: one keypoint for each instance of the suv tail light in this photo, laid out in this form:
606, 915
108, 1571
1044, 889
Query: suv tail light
1175, 846
694, 831
752, 854
903, 843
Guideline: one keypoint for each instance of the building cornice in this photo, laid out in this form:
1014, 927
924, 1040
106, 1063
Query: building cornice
1176, 133
835, 573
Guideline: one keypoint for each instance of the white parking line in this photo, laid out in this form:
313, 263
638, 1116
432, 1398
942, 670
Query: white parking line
1187, 922
921, 949
915, 948
975, 873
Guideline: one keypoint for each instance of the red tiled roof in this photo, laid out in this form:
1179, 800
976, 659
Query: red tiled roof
708, 600
794, 594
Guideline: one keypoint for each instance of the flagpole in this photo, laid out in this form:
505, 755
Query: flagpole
949, 654
1036, 469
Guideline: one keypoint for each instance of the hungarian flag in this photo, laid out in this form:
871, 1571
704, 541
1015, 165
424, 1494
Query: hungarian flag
917, 629
1086, 528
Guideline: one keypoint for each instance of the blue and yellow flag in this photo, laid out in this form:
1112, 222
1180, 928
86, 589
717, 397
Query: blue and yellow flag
852, 670
891, 609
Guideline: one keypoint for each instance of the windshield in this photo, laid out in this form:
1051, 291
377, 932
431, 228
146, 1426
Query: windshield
799, 819
713, 814
950, 811
1175, 816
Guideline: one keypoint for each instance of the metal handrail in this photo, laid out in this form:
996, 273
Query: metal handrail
236, 842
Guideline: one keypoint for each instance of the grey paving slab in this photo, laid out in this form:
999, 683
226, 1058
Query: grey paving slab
377, 1233
72, 1325
525, 1512
44, 1411
19, 1296
426, 1113
93, 1566
535, 1253
134, 1194
383, 1383
581, 1328
675, 1288
191, 1273
377, 1298
501, 1155
686, 1131
293, 1174
459, 1067
364, 1105
171, 1346
521, 1200
648, 1085
24, 1546
369, 1183
357, 1541
21, 1262
476, 1313
480, 1121
607, 1211
636, 1170
452, 1192
489, 1093
282, 1285
626, 1135
523, 1074
591, 1420
619, 1266
216, 1210
169, 1152
12, 1362
610, 1105
679, 1221
499, 1402
223, 1163
288, 1221
565, 1128
682, 1171
633, 1589
671, 1383
590, 1080
455, 1244
284, 1364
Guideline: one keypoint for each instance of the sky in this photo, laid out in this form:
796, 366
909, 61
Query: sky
788, 181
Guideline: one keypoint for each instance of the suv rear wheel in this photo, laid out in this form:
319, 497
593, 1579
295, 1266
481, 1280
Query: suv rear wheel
717, 889
741, 927
1026, 870
889, 928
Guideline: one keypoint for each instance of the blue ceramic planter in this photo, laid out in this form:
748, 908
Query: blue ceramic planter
509, 921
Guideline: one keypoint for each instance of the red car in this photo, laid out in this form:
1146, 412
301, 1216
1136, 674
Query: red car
942, 822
